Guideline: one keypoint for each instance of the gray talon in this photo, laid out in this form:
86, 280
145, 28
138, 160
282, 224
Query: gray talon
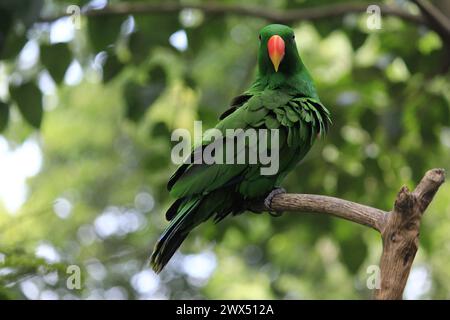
269, 198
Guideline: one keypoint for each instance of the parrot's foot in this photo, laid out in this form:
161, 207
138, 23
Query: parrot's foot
269, 198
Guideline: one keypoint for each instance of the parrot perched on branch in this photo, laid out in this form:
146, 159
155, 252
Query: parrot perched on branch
282, 97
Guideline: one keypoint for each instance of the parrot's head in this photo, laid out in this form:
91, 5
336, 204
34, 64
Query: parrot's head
277, 50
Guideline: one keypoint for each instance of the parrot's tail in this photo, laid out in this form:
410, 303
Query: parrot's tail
176, 232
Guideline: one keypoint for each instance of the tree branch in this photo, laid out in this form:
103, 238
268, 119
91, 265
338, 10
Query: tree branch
352, 211
399, 228
437, 20
401, 234
440, 23
311, 14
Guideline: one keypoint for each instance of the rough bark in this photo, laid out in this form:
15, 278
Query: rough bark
400, 234
399, 228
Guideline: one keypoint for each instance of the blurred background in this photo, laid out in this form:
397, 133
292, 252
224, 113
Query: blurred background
87, 106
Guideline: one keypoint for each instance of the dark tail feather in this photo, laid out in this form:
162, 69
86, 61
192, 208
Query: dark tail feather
161, 257
173, 210
174, 234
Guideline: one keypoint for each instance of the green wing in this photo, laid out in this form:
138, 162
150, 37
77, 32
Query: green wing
191, 178
219, 189
299, 119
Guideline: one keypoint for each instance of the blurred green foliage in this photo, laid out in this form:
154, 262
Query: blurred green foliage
99, 198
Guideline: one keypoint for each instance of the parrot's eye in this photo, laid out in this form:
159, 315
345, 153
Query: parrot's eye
293, 36
259, 37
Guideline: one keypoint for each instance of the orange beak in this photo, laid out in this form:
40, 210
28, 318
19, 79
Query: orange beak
275, 46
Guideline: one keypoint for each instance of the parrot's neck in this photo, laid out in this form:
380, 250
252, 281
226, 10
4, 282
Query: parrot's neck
298, 82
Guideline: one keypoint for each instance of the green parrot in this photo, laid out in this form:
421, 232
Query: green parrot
282, 97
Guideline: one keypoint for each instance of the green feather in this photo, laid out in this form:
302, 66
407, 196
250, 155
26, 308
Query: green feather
286, 100
272, 123
292, 115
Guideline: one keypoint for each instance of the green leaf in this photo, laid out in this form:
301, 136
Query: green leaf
137, 100
12, 45
150, 33
353, 252
356, 36
160, 130
104, 30
189, 81
157, 76
56, 58
139, 47
212, 27
4, 115
27, 11
327, 26
112, 67
158, 29
140, 97
368, 120
6, 21
29, 101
